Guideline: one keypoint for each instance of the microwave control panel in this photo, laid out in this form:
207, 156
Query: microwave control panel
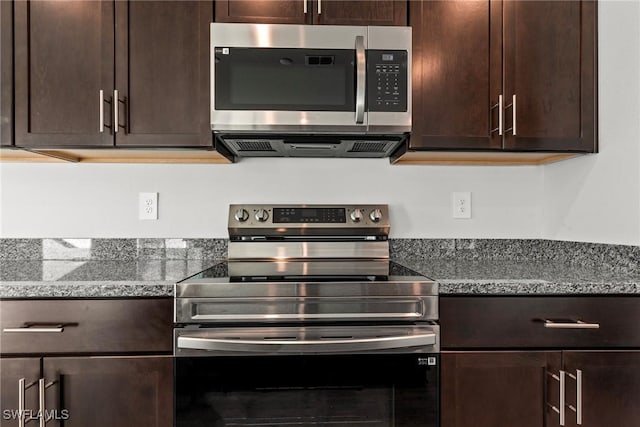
387, 80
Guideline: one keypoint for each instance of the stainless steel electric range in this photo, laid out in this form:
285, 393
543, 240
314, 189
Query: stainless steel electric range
307, 323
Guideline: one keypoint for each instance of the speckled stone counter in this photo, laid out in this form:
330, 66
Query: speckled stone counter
83, 268
492, 277
94, 279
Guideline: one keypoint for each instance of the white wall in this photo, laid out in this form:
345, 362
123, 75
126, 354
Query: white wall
84, 200
597, 198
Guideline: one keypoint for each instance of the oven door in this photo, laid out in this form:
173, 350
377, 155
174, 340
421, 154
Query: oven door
288, 78
228, 379
394, 390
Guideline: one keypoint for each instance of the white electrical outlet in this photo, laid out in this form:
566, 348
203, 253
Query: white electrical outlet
148, 206
462, 205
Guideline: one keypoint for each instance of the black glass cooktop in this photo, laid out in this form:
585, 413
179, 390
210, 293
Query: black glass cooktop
319, 271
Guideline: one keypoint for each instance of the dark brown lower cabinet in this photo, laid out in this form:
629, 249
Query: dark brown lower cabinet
610, 387
17, 376
109, 391
495, 388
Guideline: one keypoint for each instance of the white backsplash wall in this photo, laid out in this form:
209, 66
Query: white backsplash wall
101, 200
597, 198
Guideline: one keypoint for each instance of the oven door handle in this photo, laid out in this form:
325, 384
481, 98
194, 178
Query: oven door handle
306, 346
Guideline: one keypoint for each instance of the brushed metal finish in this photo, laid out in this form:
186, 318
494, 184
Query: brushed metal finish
513, 101
269, 228
116, 101
500, 127
309, 37
579, 396
304, 6
241, 215
28, 329
578, 324
21, 391
361, 79
308, 267
101, 121
356, 215
319, 7
286, 36
42, 402
274, 250
314, 339
561, 408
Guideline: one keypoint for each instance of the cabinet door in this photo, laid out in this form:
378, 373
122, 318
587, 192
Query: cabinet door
455, 83
364, 12
6, 73
12, 371
550, 67
495, 389
264, 11
110, 391
610, 387
162, 73
63, 59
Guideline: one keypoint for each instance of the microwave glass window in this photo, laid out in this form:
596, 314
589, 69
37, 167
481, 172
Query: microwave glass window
285, 79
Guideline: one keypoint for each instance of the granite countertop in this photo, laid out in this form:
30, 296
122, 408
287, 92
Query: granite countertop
95, 278
153, 278
524, 277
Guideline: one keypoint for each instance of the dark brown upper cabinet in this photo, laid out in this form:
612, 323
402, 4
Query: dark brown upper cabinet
329, 12
105, 73
6, 73
504, 75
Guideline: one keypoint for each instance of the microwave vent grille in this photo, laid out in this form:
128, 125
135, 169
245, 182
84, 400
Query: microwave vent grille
369, 147
254, 146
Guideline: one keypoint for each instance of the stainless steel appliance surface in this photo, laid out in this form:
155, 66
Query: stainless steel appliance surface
310, 90
307, 308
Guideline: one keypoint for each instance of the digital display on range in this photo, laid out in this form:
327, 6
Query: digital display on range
314, 215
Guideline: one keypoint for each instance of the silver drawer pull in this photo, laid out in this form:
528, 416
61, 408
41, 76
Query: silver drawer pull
578, 324
578, 408
30, 329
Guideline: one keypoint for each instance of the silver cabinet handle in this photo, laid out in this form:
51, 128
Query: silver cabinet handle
115, 111
578, 408
361, 79
305, 346
101, 125
500, 127
578, 324
560, 410
319, 7
513, 115
29, 329
304, 6
21, 389
42, 407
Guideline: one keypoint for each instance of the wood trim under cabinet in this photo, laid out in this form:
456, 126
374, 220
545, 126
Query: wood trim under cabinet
479, 158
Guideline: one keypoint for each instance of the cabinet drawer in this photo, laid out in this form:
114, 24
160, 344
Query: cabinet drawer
519, 322
86, 326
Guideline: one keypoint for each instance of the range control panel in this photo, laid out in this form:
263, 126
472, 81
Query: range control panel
308, 216
387, 76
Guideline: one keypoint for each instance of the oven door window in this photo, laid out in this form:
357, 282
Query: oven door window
305, 391
284, 79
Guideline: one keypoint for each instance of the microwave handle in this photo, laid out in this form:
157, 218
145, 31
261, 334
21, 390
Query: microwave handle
361, 79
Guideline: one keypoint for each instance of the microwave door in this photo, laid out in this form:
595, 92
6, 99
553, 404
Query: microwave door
269, 88
313, 80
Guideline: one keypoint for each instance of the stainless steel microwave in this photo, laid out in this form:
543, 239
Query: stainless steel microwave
310, 89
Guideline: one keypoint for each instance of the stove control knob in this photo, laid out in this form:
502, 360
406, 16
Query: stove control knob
242, 215
356, 215
375, 215
262, 215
